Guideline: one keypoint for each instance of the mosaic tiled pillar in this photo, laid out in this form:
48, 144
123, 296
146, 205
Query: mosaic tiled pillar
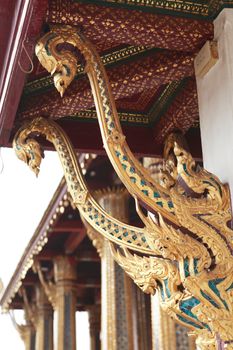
44, 321
65, 278
167, 334
94, 324
117, 326
142, 319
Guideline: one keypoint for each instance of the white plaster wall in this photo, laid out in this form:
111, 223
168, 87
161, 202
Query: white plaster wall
215, 96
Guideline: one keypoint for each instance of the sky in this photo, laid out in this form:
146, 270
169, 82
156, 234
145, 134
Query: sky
23, 200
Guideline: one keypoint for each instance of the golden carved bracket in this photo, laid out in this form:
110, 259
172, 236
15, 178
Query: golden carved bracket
186, 244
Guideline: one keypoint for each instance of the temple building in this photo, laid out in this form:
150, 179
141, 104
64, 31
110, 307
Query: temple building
135, 96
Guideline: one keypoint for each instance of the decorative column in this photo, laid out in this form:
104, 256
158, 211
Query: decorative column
94, 324
65, 276
142, 318
118, 330
44, 321
62, 295
215, 98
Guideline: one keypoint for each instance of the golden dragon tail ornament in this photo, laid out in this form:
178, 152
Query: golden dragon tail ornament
190, 233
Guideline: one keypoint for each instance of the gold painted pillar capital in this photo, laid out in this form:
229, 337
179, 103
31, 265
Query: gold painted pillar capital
64, 269
65, 276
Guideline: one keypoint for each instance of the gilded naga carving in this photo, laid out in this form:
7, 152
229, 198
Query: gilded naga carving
186, 244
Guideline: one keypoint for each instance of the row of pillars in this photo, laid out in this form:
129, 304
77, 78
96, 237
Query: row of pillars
59, 300
127, 322
125, 311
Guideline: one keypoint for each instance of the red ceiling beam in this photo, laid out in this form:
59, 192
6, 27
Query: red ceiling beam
69, 226
20, 24
81, 256
74, 240
86, 138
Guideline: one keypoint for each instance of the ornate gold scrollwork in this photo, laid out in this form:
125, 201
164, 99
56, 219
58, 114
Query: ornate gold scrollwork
186, 244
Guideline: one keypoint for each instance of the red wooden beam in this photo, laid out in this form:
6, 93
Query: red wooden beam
20, 24
69, 226
86, 138
74, 240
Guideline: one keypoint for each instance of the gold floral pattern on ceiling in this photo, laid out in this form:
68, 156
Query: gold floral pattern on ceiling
108, 27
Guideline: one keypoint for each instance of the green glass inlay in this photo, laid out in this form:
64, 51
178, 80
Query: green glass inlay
145, 192
195, 265
133, 179
156, 195
183, 319
170, 204
207, 297
187, 305
213, 286
229, 288
132, 170
185, 169
160, 204
186, 267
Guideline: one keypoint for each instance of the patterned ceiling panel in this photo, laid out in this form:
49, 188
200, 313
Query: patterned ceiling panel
137, 81
148, 48
186, 8
182, 113
109, 27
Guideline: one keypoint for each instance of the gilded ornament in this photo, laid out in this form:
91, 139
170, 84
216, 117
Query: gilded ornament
186, 244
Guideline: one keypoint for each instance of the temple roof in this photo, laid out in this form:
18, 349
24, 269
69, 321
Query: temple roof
60, 232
